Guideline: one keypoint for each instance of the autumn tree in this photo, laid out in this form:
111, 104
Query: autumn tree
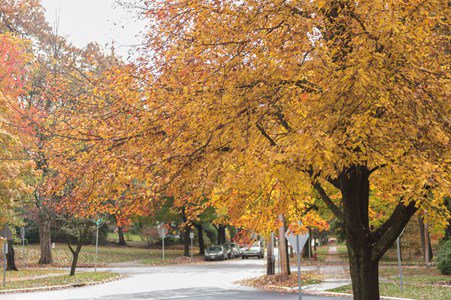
350, 97
16, 169
335, 99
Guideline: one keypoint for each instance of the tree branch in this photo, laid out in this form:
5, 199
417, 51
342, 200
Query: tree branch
263, 132
388, 232
70, 248
377, 168
334, 208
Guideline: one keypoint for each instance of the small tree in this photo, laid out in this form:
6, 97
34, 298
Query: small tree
78, 232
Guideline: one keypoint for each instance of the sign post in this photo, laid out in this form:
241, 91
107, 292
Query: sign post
297, 242
191, 236
22, 235
162, 231
98, 224
299, 265
398, 246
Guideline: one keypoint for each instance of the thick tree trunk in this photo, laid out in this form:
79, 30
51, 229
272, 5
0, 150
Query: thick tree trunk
355, 190
221, 234
120, 233
270, 261
284, 268
10, 258
365, 246
364, 273
200, 237
45, 242
186, 241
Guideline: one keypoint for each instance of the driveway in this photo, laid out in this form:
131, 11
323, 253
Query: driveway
213, 280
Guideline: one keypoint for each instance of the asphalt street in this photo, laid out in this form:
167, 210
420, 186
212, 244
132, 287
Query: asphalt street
213, 280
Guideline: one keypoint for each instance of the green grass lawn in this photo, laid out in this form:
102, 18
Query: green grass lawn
419, 283
107, 255
112, 237
22, 279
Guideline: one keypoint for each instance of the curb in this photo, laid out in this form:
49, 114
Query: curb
61, 287
335, 294
351, 295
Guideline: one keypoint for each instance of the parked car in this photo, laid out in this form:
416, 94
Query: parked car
216, 252
256, 250
235, 250
228, 249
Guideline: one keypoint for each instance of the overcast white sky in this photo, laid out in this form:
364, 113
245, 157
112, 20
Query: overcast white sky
84, 21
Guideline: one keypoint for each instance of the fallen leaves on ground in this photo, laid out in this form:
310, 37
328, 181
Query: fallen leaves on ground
279, 282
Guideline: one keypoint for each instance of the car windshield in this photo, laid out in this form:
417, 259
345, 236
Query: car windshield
215, 248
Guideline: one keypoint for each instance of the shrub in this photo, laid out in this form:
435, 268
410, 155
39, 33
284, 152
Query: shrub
444, 258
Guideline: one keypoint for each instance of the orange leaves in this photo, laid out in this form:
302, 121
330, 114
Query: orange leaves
16, 170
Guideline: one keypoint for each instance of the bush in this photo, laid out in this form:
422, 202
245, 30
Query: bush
444, 258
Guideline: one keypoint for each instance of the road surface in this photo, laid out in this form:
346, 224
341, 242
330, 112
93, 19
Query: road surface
213, 280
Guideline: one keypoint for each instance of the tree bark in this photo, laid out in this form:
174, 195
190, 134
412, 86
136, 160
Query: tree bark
45, 242
365, 247
355, 190
287, 256
120, 233
364, 273
200, 237
10, 258
221, 234
424, 241
75, 254
284, 269
270, 261
186, 241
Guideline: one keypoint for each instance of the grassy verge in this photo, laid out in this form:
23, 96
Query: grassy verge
53, 278
25, 274
107, 255
410, 291
419, 283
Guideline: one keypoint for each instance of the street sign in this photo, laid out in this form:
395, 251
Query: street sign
6, 233
22, 232
191, 236
291, 237
297, 242
162, 231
